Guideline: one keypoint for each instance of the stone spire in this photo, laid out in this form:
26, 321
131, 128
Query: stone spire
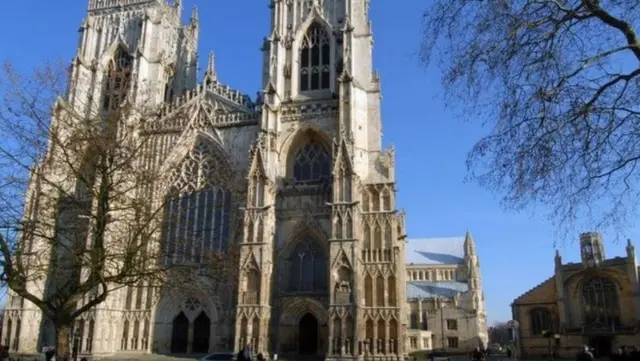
195, 17
210, 74
469, 245
631, 249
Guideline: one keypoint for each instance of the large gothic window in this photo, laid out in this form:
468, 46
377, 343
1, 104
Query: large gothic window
117, 80
600, 303
315, 59
197, 213
308, 271
311, 162
540, 321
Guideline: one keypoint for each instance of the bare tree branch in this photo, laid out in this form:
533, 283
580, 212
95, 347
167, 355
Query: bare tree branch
557, 83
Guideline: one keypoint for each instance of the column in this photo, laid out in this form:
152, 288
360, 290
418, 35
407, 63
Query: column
420, 318
190, 337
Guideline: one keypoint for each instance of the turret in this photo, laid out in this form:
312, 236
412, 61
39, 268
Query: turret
558, 260
591, 249
469, 245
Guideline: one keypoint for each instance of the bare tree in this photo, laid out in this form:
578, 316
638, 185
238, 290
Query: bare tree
90, 221
557, 83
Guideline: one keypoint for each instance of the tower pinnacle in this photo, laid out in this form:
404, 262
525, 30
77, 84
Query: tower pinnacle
210, 73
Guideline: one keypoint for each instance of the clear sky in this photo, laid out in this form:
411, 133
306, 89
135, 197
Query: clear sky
516, 250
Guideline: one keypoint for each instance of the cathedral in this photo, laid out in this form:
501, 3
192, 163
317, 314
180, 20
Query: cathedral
297, 179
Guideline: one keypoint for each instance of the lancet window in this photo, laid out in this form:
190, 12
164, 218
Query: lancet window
117, 80
311, 163
600, 303
308, 272
198, 209
315, 59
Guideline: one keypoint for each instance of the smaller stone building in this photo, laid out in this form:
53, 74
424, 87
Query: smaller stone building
594, 302
446, 307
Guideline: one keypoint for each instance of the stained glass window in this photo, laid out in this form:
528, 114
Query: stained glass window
197, 214
540, 321
600, 303
315, 59
308, 267
311, 163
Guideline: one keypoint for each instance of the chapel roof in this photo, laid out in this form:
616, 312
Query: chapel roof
430, 289
435, 251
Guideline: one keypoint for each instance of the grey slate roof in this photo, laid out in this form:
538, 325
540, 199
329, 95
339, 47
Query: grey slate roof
430, 289
434, 251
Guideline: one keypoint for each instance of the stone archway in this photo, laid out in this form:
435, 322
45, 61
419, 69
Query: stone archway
180, 334
201, 333
301, 318
308, 335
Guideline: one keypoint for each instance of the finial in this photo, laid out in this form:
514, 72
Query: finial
211, 67
194, 15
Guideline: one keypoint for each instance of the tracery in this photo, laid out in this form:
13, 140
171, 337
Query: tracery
308, 271
315, 59
600, 303
198, 209
311, 162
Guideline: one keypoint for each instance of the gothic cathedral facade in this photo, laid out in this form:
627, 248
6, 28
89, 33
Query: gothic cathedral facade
297, 179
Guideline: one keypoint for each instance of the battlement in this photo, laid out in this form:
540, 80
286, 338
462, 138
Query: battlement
95, 5
215, 87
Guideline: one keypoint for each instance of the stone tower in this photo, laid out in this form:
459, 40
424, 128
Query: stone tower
142, 40
591, 248
322, 259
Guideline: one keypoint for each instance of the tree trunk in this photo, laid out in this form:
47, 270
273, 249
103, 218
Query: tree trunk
63, 334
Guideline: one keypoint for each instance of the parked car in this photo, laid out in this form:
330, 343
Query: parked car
219, 356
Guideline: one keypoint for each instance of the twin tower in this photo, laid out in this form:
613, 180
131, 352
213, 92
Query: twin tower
297, 179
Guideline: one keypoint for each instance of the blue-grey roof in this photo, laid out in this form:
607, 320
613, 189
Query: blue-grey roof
430, 289
435, 250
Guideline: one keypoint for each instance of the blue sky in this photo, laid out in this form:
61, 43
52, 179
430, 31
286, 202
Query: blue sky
516, 250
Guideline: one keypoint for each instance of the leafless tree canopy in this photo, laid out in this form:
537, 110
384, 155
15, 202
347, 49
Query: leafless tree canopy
557, 83
90, 222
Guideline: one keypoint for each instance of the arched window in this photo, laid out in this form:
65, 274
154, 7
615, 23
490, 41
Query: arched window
540, 321
600, 303
311, 162
197, 213
117, 80
308, 271
315, 59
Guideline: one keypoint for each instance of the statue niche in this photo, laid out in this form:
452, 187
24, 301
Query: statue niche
342, 287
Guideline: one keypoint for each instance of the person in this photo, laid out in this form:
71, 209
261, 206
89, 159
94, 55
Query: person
585, 354
245, 354
261, 357
477, 354
509, 352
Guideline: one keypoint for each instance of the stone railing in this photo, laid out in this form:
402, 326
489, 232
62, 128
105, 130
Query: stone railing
106, 4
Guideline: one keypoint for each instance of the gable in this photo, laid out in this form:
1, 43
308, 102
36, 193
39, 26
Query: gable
545, 292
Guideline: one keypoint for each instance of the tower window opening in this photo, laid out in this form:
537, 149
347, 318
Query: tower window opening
315, 59
118, 80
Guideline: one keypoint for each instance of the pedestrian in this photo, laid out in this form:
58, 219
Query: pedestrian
509, 352
477, 354
585, 354
261, 357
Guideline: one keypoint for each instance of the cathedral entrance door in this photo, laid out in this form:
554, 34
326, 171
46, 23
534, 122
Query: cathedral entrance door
308, 335
201, 333
180, 334
601, 345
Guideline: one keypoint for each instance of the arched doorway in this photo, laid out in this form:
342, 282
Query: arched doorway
201, 333
180, 334
308, 334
